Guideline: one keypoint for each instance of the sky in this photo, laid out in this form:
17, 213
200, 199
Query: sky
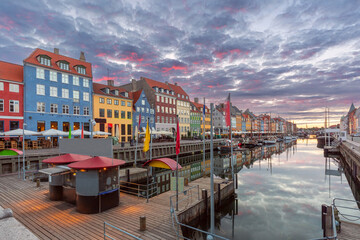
287, 58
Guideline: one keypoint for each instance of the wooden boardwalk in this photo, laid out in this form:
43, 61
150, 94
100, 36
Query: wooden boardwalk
59, 220
349, 231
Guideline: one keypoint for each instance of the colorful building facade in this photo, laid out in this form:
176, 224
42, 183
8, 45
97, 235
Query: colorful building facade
143, 110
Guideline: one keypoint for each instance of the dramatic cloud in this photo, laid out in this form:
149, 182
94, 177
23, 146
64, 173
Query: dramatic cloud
288, 58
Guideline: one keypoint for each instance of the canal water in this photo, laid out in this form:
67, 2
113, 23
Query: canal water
280, 192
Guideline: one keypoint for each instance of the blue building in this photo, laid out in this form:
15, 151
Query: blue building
243, 123
261, 125
142, 105
57, 92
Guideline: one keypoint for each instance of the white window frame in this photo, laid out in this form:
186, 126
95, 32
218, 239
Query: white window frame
86, 96
1, 86
53, 91
76, 110
13, 87
129, 104
15, 104
86, 82
40, 89
116, 102
76, 94
53, 106
40, 73
40, 106
86, 111
65, 109
53, 76
65, 78
65, 93
76, 81
108, 101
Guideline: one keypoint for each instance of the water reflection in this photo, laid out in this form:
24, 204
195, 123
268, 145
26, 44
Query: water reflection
281, 189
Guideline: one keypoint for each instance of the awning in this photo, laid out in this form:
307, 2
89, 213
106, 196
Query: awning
97, 163
59, 170
66, 158
166, 163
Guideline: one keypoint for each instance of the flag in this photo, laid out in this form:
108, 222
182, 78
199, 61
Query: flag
147, 138
177, 137
227, 112
139, 121
204, 113
82, 131
70, 132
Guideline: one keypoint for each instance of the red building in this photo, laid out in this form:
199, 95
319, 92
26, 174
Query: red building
11, 96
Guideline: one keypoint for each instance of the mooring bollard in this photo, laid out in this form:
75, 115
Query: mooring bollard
37, 182
142, 223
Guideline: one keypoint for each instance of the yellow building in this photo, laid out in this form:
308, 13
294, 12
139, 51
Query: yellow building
207, 115
112, 109
183, 108
239, 122
247, 122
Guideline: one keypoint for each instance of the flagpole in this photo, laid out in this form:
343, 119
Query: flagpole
136, 146
204, 138
231, 142
177, 163
212, 210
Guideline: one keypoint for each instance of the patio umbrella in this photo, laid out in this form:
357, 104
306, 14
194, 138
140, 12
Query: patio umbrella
78, 133
10, 152
117, 132
100, 133
19, 132
53, 132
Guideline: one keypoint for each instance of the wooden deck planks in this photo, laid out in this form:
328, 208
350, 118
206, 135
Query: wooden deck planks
349, 231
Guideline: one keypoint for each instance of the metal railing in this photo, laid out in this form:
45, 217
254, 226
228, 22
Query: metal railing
178, 224
344, 215
190, 194
139, 190
106, 235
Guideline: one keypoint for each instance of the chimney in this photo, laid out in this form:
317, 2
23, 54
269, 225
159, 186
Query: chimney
176, 84
166, 82
196, 100
110, 83
82, 56
133, 83
56, 51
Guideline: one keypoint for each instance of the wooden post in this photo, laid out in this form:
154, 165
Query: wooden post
127, 175
219, 194
204, 196
236, 181
142, 223
37, 182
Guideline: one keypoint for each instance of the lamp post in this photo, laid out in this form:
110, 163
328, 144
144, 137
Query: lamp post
23, 148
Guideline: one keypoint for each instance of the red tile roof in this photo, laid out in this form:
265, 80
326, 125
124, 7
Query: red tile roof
97, 90
153, 83
178, 90
57, 57
196, 108
200, 106
136, 96
97, 163
11, 72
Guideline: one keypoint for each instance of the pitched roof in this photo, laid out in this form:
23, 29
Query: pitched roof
97, 90
66, 158
11, 72
57, 57
97, 163
154, 83
136, 95
178, 90
196, 108
352, 108
200, 106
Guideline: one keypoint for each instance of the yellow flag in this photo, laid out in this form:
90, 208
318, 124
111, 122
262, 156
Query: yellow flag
147, 138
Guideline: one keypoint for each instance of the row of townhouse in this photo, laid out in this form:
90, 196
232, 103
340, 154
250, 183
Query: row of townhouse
351, 121
54, 91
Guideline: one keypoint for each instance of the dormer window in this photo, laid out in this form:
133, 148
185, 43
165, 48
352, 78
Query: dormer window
64, 65
116, 92
126, 94
172, 92
162, 90
156, 89
81, 70
106, 90
167, 91
45, 60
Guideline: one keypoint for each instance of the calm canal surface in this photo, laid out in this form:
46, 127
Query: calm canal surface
280, 192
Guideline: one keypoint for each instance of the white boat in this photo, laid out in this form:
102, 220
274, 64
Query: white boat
287, 138
269, 141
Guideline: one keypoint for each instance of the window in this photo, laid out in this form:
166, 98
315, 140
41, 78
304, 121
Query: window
102, 112
101, 100
151, 111
53, 92
64, 65
158, 108
151, 120
65, 93
14, 106
147, 110
1, 105
162, 109
129, 104
65, 109
116, 92
2, 126
170, 118
76, 94
40, 89
1, 86
123, 131
162, 99
53, 108
86, 82
129, 129
143, 119
142, 102
76, 80
13, 88
65, 78
45, 61
138, 109
170, 110
157, 98
166, 100
109, 113
81, 70
108, 101
86, 96
142, 109
123, 114
40, 73
14, 125
76, 110
86, 111
128, 115
40, 107
116, 102
166, 109
166, 120
158, 119
116, 113
122, 103
162, 119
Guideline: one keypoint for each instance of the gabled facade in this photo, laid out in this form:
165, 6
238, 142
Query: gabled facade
200, 107
219, 120
351, 119
142, 107
195, 120
183, 108
112, 108
11, 96
57, 92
